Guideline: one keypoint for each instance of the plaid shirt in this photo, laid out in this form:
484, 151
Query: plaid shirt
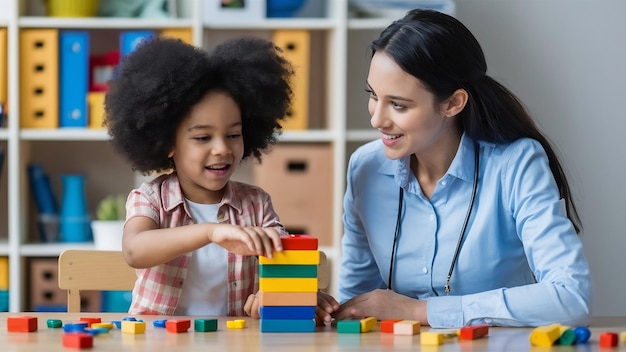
158, 288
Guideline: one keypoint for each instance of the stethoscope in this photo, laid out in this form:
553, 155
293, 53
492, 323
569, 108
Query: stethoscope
461, 235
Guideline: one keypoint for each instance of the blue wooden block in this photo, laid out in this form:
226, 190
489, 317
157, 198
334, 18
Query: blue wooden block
287, 325
288, 312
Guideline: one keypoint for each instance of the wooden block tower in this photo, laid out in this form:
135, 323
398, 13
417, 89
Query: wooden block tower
288, 286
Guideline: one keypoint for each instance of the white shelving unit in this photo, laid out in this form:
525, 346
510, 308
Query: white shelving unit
344, 118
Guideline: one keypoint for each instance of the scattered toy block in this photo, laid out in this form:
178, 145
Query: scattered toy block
54, 323
430, 338
545, 336
205, 325
287, 325
96, 331
272, 284
287, 298
406, 327
117, 323
568, 337
368, 324
298, 257
77, 340
608, 339
622, 336
288, 270
299, 241
236, 324
287, 312
75, 327
160, 323
90, 321
387, 325
349, 326
107, 326
473, 332
22, 323
582, 334
133, 327
177, 326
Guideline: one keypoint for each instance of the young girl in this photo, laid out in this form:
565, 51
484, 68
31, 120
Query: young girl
192, 233
461, 212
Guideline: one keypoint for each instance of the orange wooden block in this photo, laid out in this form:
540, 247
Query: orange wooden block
77, 340
299, 241
177, 326
406, 327
387, 325
287, 298
21, 324
90, 321
472, 332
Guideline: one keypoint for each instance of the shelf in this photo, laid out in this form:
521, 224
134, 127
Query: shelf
4, 134
299, 23
307, 136
64, 134
362, 135
4, 247
51, 249
369, 23
102, 23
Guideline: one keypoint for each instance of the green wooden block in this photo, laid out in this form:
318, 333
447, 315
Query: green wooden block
349, 326
290, 271
205, 325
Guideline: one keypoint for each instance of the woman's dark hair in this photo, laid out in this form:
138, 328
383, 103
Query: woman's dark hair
445, 56
156, 86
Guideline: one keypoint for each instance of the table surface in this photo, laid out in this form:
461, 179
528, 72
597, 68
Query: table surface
251, 339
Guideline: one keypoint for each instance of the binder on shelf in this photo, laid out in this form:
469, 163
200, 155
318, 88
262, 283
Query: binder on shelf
129, 40
39, 78
183, 34
4, 273
3, 69
296, 46
74, 78
96, 109
47, 221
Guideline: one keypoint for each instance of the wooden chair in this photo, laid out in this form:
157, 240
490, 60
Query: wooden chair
95, 270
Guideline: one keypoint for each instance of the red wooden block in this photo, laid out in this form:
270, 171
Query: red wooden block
387, 325
301, 241
608, 339
90, 321
77, 340
21, 324
177, 326
472, 332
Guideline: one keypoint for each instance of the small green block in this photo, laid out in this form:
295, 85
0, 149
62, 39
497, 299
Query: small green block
54, 323
205, 325
568, 337
349, 326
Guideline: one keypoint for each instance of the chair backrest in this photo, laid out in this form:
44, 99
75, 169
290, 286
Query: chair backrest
93, 270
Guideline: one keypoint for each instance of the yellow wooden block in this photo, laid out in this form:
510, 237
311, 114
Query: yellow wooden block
39, 78
4, 273
184, 34
292, 257
3, 67
406, 327
134, 327
431, 338
368, 324
545, 336
96, 109
236, 324
622, 336
296, 284
296, 46
103, 325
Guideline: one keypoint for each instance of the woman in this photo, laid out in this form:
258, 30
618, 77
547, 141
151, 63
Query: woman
461, 213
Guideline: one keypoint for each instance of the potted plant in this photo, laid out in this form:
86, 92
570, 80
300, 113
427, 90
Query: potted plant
109, 223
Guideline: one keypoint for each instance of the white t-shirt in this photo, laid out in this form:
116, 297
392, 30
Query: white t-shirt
204, 291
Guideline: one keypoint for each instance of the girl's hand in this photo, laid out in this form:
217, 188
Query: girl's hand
246, 240
326, 306
251, 308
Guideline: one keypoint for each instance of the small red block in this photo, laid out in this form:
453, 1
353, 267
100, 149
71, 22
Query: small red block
77, 340
472, 332
608, 339
387, 325
21, 324
177, 326
90, 321
301, 241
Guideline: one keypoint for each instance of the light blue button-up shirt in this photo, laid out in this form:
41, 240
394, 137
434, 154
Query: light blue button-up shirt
521, 262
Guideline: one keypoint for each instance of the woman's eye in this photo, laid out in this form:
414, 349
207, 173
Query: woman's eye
371, 93
397, 106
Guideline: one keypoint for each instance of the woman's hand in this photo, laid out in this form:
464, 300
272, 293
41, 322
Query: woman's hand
382, 305
246, 240
326, 306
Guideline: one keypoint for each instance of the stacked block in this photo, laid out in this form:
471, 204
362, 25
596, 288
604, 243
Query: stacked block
288, 286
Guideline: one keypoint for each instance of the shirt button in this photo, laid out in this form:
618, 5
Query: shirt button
443, 183
424, 270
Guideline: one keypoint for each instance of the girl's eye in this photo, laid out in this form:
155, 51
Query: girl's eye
234, 135
202, 139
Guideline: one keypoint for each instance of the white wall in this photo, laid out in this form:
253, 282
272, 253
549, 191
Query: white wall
566, 59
